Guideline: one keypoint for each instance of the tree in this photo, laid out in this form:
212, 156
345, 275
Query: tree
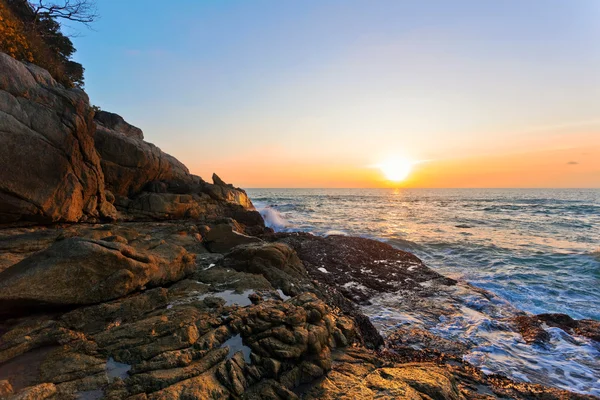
82, 11
45, 44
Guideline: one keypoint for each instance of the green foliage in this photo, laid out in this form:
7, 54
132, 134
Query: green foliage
37, 38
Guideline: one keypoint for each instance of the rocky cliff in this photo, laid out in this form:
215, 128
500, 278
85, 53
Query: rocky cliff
50, 169
123, 276
62, 162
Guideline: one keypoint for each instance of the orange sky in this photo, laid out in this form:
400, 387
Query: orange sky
565, 161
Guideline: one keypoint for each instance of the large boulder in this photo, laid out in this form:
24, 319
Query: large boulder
222, 238
277, 262
78, 271
49, 169
150, 184
130, 163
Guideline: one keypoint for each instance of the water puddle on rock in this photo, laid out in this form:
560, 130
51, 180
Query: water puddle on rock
113, 370
116, 369
283, 296
231, 297
235, 344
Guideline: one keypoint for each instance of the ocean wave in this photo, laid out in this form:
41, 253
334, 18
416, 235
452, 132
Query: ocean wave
274, 219
334, 232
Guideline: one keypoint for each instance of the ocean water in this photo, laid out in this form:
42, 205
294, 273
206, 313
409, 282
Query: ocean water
536, 249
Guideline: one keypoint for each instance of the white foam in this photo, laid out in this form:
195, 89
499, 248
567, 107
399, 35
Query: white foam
273, 218
283, 296
483, 324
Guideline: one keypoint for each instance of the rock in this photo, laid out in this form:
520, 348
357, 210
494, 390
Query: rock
38, 392
219, 182
81, 271
277, 262
5, 388
49, 168
531, 328
168, 206
116, 123
359, 268
412, 344
128, 162
222, 238
359, 374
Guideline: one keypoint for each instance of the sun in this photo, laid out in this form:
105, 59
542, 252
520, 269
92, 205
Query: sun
396, 169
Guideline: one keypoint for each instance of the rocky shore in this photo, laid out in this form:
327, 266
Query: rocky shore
123, 276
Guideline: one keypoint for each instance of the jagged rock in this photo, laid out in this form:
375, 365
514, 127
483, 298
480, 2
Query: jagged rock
416, 343
360, 268
218, 181
169, 206
532, 330
277, 262
116, 123
5, 388
128, 162
82, 271
49, 170
38, 392
222, 238
355, 378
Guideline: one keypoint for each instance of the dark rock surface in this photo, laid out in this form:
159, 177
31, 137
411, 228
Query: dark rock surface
532, 327
376, 267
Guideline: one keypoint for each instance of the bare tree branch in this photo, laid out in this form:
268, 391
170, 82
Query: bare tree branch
82, 11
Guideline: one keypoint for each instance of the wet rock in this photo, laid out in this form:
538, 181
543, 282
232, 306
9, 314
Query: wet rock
359, 268
585, 327
416, 343
531, 329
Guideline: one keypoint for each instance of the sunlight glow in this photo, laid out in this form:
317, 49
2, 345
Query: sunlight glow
396, 169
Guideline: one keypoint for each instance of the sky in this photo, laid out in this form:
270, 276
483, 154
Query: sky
318, 93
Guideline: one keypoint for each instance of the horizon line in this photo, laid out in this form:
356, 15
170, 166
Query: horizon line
451, 188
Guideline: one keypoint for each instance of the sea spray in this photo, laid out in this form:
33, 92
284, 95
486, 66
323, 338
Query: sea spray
273, 218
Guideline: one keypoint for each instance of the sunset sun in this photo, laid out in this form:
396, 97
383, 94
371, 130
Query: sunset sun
396, 169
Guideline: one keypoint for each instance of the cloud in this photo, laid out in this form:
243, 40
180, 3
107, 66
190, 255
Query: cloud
572, 163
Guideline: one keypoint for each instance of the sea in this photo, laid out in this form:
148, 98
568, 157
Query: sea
537, 249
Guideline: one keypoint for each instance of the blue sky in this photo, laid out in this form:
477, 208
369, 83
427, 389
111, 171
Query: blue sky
345, 83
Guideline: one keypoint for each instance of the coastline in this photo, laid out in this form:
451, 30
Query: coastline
130, 278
